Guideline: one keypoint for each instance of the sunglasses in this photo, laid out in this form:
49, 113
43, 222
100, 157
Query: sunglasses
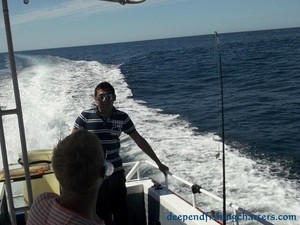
108, 97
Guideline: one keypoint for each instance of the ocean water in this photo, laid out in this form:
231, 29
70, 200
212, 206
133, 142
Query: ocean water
171, 90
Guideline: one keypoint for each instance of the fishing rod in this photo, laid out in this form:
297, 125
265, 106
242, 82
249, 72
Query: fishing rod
217, 43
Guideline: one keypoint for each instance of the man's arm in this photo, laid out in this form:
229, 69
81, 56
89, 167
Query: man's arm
74, 130
145, 147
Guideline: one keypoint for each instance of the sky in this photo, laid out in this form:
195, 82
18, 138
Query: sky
43, 24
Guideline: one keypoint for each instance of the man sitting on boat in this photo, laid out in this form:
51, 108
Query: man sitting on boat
78, 164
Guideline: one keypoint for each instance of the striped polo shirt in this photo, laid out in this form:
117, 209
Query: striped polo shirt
108, 131
45, 210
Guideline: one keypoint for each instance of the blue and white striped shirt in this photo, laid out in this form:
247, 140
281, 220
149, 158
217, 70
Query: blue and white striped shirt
107, 130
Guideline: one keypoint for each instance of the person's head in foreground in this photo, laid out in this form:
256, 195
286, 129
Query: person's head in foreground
78, 162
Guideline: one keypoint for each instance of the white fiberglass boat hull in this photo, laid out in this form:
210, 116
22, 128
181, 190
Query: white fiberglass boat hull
162, 206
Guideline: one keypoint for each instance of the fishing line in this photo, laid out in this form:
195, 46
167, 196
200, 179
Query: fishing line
217, 44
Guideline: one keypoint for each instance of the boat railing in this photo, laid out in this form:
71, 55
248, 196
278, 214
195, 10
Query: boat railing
195, 189
18, 112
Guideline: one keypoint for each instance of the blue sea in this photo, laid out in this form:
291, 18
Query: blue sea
171, 90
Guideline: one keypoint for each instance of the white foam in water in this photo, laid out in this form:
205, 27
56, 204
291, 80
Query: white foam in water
55, 90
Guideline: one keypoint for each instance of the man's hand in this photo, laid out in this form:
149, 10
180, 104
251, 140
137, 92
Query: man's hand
163, 168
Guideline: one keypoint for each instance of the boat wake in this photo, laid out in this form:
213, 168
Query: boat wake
55, 90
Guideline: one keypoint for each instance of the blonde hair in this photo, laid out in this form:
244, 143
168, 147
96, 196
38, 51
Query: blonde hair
78, 161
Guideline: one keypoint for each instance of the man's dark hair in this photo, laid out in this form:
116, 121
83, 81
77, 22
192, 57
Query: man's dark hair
104, 86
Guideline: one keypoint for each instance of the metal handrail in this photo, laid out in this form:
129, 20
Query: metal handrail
17, 111
236, 209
